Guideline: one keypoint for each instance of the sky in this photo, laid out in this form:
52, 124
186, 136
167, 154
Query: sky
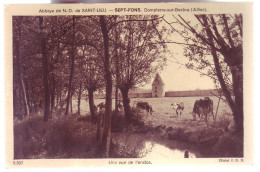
175, 76
178, 78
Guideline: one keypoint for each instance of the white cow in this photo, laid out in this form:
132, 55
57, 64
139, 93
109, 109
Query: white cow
179, 107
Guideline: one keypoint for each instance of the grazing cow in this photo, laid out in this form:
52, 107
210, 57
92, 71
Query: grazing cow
135, 102
145, 106
203, 106
178, 107
101, 106
119, 105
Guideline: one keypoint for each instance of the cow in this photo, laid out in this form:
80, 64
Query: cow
145, 106
101, 106
135, 102
119, 105
203, 107
179, 107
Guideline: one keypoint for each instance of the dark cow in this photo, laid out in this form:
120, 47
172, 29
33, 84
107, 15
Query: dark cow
119, 105
203, 107
145, 106
179, 107
101, 106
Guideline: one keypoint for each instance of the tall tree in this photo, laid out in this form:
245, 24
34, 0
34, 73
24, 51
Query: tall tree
214, 45
45, 71
72, 60
20, 87
140, 49
90, 53
106, 135
93, 76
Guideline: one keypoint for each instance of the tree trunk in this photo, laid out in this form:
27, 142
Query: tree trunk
237, 77
26, 87
61, 101
239, 111
117, 70
53, 91
126, 103
71, 102
26, 104
79, 97
100, 130
16, 105
91, 104
105, 145
116, 100
57, 99
52, 101
45, 73
234, 59
20, 73
69, 96
224, 88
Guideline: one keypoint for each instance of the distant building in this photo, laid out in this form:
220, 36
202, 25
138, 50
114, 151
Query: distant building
158, 87
158, 91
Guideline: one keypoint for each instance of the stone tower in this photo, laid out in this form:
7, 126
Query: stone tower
158, 87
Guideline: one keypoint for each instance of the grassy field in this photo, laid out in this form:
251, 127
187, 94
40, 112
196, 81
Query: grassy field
160, 105
164, 114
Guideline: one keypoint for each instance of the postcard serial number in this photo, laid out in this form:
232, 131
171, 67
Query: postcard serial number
18, 162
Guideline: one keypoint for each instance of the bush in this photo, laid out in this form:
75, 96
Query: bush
85, 118
177, 134
68, 139
224, 123
136, 117
122, 150
228, 145
117, 122
65, 137
28, 137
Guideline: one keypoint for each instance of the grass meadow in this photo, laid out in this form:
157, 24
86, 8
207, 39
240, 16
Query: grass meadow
164, 114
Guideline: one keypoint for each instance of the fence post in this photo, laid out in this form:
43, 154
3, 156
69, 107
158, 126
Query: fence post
186, 154
217, 109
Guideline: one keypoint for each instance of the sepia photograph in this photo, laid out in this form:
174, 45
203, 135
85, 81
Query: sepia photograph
136, 86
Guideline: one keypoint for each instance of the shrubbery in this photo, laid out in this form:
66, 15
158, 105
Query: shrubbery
136, 117
228, 145
117, 122
217, 138
65, 137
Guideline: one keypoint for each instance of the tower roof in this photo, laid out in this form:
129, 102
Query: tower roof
158, 80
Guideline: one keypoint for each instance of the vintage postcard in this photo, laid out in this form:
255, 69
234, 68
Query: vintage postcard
129, 85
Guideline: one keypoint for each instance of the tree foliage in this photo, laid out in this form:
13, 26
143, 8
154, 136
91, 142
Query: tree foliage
139, 52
